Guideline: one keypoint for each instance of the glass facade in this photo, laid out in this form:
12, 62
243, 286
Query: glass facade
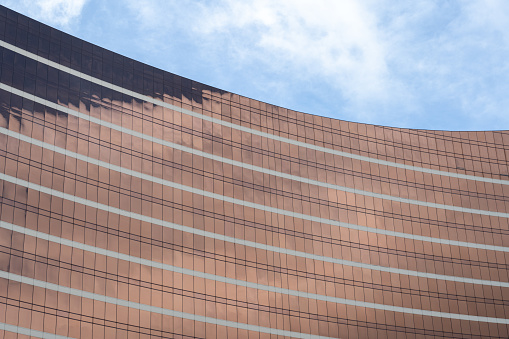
136, 203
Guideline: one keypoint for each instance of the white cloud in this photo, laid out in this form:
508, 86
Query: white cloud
336, 40
455, 56
378, 61
396, 63
53, 12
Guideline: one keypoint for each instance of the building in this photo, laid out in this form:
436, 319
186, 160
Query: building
136, 203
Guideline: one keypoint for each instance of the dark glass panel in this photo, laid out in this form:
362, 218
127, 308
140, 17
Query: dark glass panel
117, 74
86, 63
54, 51
21, 38
10, 33
8, 57
29, 84
75, 58
96, 67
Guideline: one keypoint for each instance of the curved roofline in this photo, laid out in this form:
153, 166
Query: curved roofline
217, 89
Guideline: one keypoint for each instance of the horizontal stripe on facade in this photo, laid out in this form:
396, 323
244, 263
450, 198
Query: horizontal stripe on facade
79, 327
453, 227
108, 325
30, 332
485, 272
247, 284
243, 242
152, 309
265, 246
292, 252
402, 326
245, 165
242, 128
343, 203
348, 247
317, 124
459, 299
95, 185
192, 230
243, 202
453, 260
241, 257
282, 306
166, 284
457, 197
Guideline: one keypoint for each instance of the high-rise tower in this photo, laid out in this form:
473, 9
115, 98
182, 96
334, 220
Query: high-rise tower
137, 203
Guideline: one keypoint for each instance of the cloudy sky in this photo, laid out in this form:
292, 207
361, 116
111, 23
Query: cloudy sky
419, 64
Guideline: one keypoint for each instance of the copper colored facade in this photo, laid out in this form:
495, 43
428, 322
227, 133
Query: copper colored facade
139, 204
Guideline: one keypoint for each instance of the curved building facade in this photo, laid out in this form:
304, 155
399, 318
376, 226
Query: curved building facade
139, 204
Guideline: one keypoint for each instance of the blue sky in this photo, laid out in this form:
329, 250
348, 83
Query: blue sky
418, 64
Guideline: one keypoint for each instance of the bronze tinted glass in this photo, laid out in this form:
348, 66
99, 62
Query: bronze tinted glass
137, 203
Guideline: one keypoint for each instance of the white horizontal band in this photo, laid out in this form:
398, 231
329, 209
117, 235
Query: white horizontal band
242, 128
193, 190
30, 332
244, 165
154, 309
243, 242
247, 284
